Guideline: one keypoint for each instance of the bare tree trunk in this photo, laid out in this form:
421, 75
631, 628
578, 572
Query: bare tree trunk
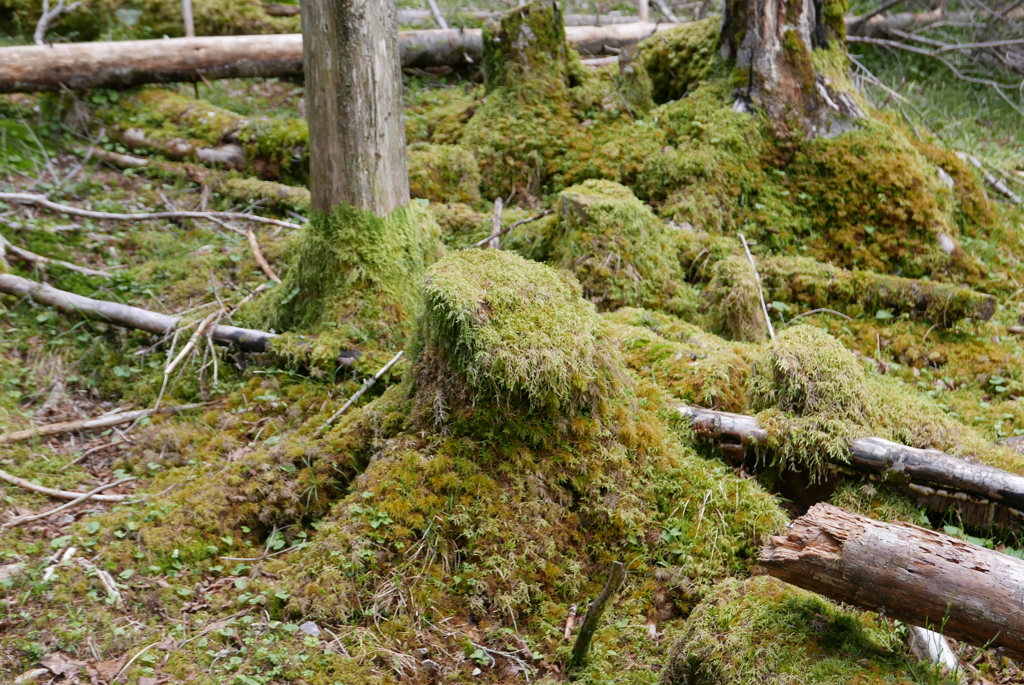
354, 94
912, 574
186, 15
772, 40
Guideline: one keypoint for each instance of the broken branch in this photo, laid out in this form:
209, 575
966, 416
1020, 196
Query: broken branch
593, 616
105, 421
6, 247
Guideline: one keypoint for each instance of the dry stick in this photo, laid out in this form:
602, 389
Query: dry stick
67, 505
1000, 187
508, 229
760, 292
59, 494
664, 9
186, 15
593, 617
260, 259
39, 37
43, 201
32, 258
864, 18
438, 17
125, 315
492, 241
367, 384
106, 579
89, 424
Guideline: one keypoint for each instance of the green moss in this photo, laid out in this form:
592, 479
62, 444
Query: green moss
877, 501
732, 302
678, 59
763, 631
525, 43
353, 279
799, 57
620, 252
443, 173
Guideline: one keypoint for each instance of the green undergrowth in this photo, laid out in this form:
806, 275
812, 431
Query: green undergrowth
764, 631
109, 20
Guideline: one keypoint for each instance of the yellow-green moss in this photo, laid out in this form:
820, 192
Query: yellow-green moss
678, 59
620, 252
764, 631
732, 302
443, 173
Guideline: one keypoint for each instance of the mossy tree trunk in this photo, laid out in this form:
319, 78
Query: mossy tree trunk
354, 91
527, 42
778, 47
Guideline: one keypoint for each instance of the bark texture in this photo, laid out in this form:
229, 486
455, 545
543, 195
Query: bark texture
354, 95
894, 461
772, 41
127, 64
912, 574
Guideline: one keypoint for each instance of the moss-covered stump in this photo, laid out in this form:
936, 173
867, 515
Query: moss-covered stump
732, 303
531, 459
526, 43
621, 253
443, 173
352, 280
762, 631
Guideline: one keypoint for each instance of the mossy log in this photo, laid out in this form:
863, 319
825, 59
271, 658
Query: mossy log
127, 64
912, 574
895, 462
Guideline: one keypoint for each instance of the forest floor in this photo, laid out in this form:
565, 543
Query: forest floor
200, 575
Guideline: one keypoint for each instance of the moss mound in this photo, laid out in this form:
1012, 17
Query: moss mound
764, 631
732, 302
621, 253
678, 59
443, 173
354, 280
516, 331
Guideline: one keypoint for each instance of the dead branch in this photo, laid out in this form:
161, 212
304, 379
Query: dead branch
6, 247
436, 12
593, 616
912, 574
260, 259
21, 520
507, 229
39, 37
44, 202
877, 455
105, 421
367, 384
492, 240
998, 185
125, 315
666, 11
760, 290
106, 580
51, 492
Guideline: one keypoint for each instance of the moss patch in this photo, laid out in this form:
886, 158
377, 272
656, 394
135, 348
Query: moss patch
443, 173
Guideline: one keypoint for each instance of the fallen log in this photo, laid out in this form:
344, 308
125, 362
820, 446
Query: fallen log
125, 315
877, 455
912, 574
126, 64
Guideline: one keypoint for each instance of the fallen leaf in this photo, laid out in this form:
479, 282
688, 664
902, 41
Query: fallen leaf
62, 665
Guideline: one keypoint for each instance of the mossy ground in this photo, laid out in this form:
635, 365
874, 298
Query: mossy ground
482, 488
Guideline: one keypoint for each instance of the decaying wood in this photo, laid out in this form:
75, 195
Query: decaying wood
45, 203
127, 64
592, 618
22, 520
894, 461
126, 315
52, 492
912, 574
105, 421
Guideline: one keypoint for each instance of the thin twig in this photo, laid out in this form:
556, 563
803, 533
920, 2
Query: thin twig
260, 259
51, 492
48, 15
760, 292
864, 18
89, 424
67, 505
43, 201
508, 229
32, 258
818, 311
367, 384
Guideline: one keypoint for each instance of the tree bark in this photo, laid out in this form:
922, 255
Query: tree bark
354, 94
772, 41
894, 461
912, 574
127, 64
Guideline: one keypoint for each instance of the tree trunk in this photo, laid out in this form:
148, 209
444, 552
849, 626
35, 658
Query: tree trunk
354, 94
131, 63
771, 42
897, 463
914, 575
